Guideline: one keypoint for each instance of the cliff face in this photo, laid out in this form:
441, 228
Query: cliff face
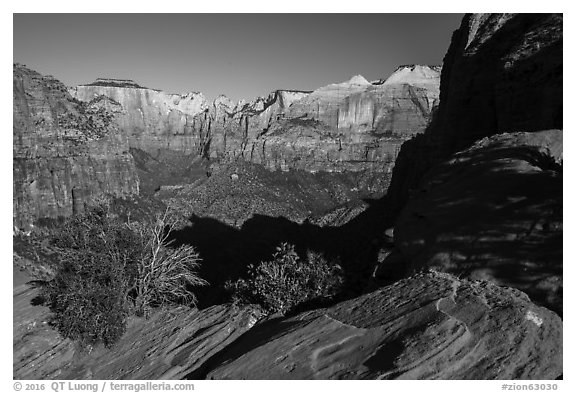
84, 132
492, 210
502, 73
350, 126
64, 152
401, 105
151, 119
234, 128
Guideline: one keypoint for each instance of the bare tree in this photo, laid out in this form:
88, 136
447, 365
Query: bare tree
166, 274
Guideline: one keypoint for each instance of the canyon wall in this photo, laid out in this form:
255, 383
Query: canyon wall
350, 126
479, 194
73, 143
502, 73
151, 119
64, 152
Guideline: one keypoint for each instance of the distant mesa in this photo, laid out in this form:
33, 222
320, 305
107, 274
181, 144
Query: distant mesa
112, 82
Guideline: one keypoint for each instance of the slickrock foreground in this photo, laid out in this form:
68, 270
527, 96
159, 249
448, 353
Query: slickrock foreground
169, 345
430, 326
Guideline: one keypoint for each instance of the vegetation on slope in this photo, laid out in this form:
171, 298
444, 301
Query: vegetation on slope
109, 268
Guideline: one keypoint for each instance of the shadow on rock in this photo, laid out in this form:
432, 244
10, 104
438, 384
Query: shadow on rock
227, 251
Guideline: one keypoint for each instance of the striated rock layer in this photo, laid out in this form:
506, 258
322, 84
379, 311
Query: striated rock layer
64, 152
430, 326
169, 345
151, 119
350, 126
502, 73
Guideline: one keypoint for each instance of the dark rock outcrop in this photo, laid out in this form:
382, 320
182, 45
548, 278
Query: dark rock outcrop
430, 326
493, 211
502, 73
65, 152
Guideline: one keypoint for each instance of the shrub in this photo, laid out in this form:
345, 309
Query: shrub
88, 294
107, 266
287, 281
165, 274
87, 297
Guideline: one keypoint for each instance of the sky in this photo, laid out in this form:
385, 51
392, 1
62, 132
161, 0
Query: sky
239, 55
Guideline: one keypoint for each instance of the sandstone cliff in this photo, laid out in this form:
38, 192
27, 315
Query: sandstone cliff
493, 210
502, 73
64, 152
400, 105
350, 126
152, 119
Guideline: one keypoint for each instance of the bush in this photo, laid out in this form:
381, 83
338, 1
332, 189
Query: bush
97, 259
165, 274
287, 281
87, 297
108, 267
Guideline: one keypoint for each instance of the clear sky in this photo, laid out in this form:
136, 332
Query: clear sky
239, 55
